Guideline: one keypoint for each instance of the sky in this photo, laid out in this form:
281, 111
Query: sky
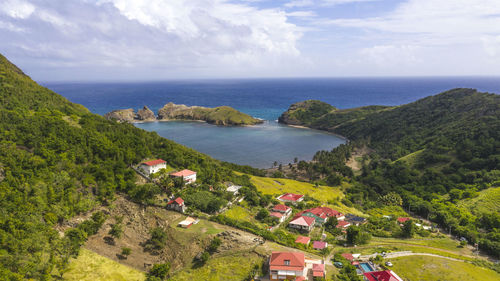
137, 40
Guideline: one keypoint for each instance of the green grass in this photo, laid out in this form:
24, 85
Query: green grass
202, 227
322, 193
488, 201
93, 267
411, 158
233, 266
243, 214
413, 268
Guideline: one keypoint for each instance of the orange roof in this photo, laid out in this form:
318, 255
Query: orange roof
276, 214
290, 197
318, 270
348, 256
343, 224
403, 219
183, 173
296, 261
281, 208
154, 162
303, 240
177, 200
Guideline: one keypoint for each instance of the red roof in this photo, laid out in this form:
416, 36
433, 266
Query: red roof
304, 221
300, 278
318, 270
177, 200
183, 173
347, 256
276, 214
281, 208
322, 212
154, 162
319, 245
290, 197
386, 275
403, 219
343, 224
296, 261
303, 240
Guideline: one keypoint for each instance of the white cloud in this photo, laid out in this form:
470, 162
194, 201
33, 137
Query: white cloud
17, 8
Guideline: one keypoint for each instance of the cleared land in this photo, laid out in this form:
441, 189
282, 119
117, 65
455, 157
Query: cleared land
488, 201
93, 267
413, 268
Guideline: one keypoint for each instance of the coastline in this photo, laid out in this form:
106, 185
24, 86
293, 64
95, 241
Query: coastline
308, 128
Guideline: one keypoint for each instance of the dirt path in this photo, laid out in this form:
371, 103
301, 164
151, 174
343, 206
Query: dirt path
404, 254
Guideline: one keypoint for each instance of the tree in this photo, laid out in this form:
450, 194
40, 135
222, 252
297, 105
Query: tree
262, 214
295, 160
331, 225
159, 271
126, 252
157, 240
356, 236
409, 229
214, 245
116, 230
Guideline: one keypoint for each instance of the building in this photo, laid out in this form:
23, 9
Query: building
402, 220
187, 175
318, 270
320, 245
287, 266
385, 275
292, 198
348, 256
343, 224
284, 209
321, 214
234, 189
176, 205
303, 240
355, 220
186, 223
281, 217
153, 166
302, 223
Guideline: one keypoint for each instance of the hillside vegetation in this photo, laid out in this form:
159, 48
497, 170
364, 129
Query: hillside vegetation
58, 160
432, 153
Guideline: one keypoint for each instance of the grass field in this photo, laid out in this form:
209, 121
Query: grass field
324, 194
235, 266
93, 267
488, 201
413, 268
411, 158
242, 214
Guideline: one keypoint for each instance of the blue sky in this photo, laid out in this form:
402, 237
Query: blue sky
55, 40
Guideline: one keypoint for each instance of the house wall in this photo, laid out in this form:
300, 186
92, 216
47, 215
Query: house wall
153, 169
190, 179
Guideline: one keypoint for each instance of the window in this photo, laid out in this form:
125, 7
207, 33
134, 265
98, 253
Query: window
287, 262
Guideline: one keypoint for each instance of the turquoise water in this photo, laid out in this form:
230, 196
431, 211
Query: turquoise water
366, 267
258, 146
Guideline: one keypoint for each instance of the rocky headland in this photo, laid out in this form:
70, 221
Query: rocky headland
222, 115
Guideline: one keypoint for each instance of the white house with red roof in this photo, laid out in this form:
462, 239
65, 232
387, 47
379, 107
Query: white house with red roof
318, 270
287, 266
187, 175
177, 205
153, 166
284, 209
343, 224
281, 217
302, 223
290, 197
385, 275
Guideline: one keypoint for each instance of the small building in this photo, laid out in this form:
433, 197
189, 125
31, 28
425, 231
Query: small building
281, 217
187, 175
385, 275
303, 240
153, 166
355, 220
287, 266
186, 223
318, 270
302, 223
176, 205
402, 220
348, 256
284, 209
290, 197
343, 224
234, 189
321, 214
320, 245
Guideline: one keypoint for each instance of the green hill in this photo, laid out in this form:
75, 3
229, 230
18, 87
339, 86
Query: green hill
57, 160
488, 201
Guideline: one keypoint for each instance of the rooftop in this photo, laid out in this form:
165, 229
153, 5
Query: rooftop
183, 173
304, 221
319, 245
403, 219
287, 261
177, 200
290, 197
386, 275
154, 162
281, 208
303, 240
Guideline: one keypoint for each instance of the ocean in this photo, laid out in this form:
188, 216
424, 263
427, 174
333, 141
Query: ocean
259, 145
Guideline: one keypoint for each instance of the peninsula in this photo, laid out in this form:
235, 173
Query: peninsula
222, 115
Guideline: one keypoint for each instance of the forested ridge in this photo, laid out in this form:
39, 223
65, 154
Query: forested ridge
432, 152
57, 160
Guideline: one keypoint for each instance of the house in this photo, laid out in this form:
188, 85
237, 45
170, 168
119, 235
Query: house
281, 217
153, 166
355, 220
303, 240
234, 189
292, 198
284, 209
177, 205
343, 224
348, 256
188, 222
385, 275
320, 245
321, 214
402, 220
318, 270
187, 175
287, 266
302, 223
